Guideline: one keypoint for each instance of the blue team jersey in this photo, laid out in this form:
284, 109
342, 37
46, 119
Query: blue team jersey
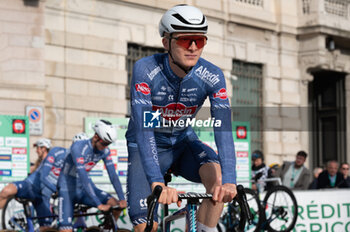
81, 158
155, 87
46, 175
51, 167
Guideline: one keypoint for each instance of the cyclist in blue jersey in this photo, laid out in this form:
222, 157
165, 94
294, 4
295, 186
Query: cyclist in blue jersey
31, 188
167, 90
41, 184
42, 149
74, 184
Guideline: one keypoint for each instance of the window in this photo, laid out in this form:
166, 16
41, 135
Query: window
247, 98
327, 97
136, 52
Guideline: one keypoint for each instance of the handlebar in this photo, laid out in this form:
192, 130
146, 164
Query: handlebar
241, 198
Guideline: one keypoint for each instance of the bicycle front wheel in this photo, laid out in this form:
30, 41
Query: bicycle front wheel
13, 217
281, 209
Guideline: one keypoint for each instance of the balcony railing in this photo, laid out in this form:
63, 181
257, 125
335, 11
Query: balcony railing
328, 13
257, 3
339, 8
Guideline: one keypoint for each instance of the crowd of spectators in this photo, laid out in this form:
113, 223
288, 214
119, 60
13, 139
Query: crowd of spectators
295, 175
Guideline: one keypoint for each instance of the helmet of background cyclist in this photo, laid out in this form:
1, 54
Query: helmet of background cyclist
105, 130
43, 143
80, 136
183, 18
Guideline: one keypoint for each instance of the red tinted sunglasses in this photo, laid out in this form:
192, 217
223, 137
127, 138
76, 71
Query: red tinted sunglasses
103, 143
187, 40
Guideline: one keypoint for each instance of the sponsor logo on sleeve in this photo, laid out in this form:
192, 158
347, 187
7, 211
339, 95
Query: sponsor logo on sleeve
80, 160
89, 166
51, 159
56, 171
222, 94
143, 88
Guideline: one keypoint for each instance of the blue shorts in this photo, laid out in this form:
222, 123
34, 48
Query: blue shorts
185, 158
41, 202
69, 197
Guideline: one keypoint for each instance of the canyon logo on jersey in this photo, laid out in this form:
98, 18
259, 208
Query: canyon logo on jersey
174, 111
143, 88
222, 94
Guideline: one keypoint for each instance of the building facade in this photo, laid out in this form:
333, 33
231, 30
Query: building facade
286, 64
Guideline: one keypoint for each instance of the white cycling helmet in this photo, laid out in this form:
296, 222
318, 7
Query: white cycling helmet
80, 136
105, 130
183, 18
43, 143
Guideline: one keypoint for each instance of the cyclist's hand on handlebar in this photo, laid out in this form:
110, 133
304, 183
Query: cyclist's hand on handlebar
168, 195
103, 207
225, 193
122, 203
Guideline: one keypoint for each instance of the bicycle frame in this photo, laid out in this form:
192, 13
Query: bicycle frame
189, 211
109, 222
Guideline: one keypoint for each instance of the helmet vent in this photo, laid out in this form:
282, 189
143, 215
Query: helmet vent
181, 19
181, 28
106, 122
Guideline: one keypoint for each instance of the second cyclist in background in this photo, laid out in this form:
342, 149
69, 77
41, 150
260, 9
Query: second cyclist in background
74, 184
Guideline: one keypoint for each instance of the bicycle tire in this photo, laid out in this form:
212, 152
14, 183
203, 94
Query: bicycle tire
93, 229
13, 209
123, 230
281, 209
218, 227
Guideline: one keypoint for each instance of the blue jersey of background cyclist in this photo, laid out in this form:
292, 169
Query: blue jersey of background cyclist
79, 161
44, 178
155, 87
50, 169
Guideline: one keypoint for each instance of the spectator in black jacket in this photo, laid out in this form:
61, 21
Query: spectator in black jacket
344, 169
317, 171
331, 178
